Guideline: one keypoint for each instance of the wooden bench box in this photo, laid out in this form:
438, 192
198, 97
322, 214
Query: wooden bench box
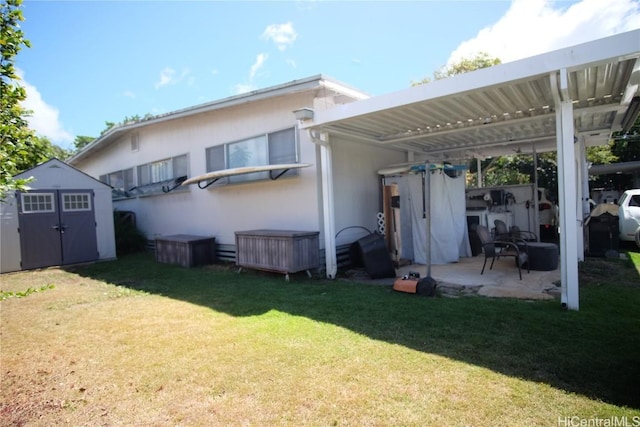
185, 250
284, 251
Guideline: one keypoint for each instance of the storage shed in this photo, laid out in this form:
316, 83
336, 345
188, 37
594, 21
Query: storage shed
65, 218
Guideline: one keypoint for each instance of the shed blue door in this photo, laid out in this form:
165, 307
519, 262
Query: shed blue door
57, 227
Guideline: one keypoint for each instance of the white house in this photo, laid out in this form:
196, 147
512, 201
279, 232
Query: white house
564, 100
65, 218
146, 159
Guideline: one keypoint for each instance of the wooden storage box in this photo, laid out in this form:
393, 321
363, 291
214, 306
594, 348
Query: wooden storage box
284, 251
185, 250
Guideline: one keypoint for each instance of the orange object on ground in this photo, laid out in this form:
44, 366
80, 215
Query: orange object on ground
403, 284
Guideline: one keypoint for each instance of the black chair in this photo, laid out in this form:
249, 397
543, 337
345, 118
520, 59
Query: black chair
518, 234
495, 249
514, 234
502, 232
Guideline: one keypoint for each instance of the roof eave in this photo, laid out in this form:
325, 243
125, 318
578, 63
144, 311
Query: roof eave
295, 86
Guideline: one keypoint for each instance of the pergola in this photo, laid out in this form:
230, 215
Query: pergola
563, 100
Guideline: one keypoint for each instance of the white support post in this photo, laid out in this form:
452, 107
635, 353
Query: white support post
479, 168
536, 202
582, 207
567, 186
327, 206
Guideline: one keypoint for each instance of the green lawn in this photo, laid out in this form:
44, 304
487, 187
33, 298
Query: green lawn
153, 344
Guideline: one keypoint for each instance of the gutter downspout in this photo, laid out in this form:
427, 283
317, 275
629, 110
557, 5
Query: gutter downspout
328, 211
567, 188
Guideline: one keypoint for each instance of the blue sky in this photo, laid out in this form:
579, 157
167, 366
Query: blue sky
92, 62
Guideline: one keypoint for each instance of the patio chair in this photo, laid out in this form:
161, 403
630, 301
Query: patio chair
495, 249
514, 234
525, 235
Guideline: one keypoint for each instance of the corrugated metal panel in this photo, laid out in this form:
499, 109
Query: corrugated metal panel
508, 113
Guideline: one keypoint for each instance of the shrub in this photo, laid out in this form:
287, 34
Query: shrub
129, 238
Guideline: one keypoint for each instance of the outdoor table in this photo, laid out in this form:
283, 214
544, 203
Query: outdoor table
543, 256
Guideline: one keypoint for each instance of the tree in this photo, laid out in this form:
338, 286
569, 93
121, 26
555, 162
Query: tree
623, 147
82, 141
480, 60
16, 139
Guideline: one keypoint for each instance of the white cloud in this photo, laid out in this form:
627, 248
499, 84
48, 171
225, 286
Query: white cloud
44, 118
260, 60
283, 35
167, 76
249, 86
129, 94
292, 63
243, 88
532, 27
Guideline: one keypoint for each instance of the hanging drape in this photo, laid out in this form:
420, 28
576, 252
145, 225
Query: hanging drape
449, 236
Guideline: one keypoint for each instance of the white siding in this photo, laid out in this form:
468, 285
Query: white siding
287, 203
357, 185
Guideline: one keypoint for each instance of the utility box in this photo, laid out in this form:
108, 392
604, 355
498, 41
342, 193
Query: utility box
603, 234
283, 251
185, 250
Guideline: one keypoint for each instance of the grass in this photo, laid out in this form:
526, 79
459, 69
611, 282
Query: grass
133, 342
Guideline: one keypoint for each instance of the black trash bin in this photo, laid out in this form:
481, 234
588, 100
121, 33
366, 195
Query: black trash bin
603, 234
373, 252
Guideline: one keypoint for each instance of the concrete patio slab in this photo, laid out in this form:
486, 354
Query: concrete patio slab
463, 277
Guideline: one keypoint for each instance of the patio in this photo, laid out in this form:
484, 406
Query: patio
463, 278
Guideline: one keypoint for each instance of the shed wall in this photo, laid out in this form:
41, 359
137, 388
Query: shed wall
57, 175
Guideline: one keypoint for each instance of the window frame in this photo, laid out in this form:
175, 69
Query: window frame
178, 167
225, 150
120, 192
24, 203
89, 204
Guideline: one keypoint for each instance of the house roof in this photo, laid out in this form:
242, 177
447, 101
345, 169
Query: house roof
503, 109
296, 86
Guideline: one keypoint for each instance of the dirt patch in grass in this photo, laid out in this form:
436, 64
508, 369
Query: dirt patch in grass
598, 271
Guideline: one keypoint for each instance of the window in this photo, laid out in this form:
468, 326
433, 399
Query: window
72, 202
162, 170
121, 181
152, 177
135, 141
269, 149
37, 202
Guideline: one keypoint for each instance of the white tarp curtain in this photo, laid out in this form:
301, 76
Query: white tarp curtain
449, 236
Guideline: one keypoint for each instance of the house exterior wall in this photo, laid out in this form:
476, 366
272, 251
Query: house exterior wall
357, 185
56, 175
286, 203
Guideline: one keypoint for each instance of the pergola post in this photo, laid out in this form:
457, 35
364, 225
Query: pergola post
567, 188
328, 211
